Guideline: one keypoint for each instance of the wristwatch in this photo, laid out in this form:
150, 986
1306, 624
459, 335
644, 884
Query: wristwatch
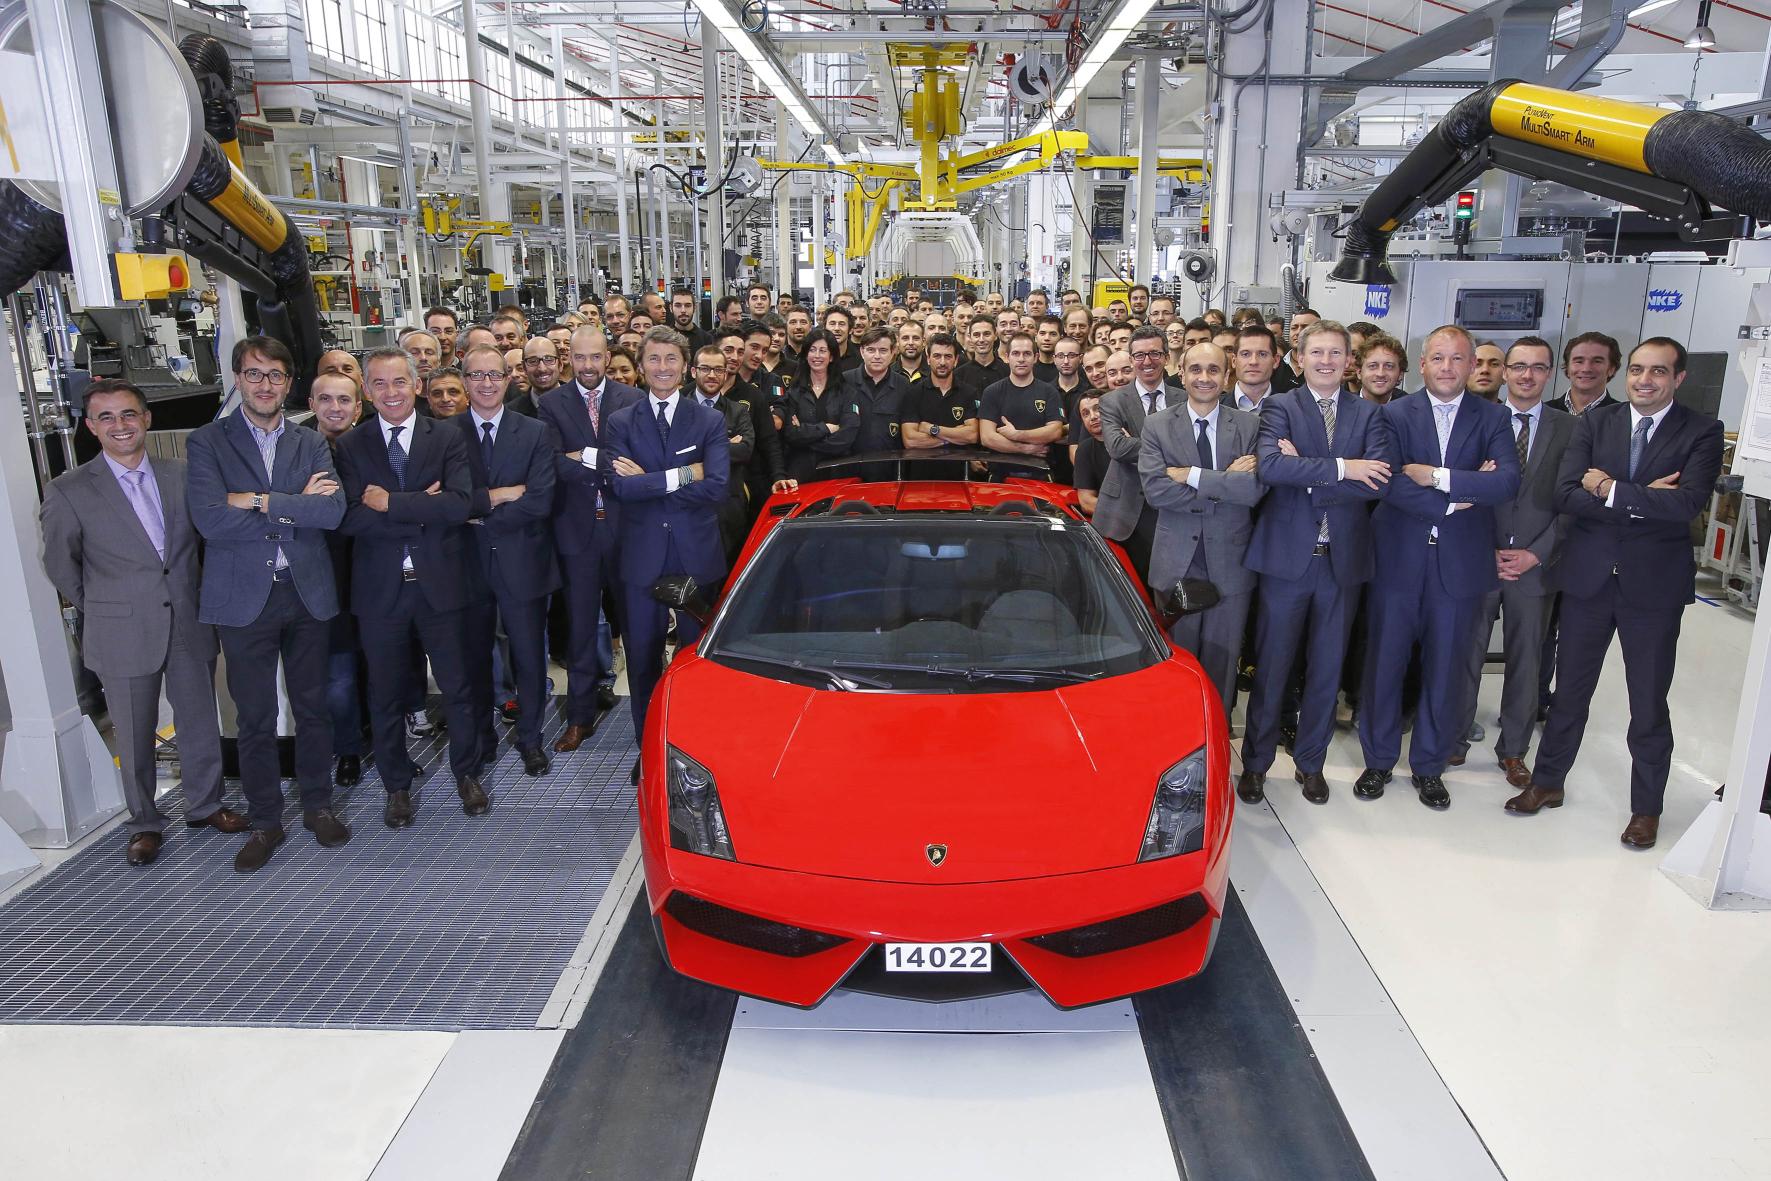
258, 502
934, 430
1435, 477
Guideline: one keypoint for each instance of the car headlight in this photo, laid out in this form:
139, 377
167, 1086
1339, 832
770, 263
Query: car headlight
697, 822
1177, 817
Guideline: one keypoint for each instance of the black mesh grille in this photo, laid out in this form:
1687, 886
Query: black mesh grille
1129, 930
747, 930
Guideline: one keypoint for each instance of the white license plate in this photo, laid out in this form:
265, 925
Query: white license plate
937, 957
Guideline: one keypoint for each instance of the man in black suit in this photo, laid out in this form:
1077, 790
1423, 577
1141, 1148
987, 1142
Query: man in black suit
585, 521
1633, 478
512, 461
263, 494
407, 494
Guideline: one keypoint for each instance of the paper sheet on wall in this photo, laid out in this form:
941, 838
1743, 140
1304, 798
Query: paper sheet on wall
1755, 440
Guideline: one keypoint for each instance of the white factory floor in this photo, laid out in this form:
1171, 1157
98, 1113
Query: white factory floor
1589, 1018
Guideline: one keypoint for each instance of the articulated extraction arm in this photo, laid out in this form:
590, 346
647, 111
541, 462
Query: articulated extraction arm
220, 218
1675, 164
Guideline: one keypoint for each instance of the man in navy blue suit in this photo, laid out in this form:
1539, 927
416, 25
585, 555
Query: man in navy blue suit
511, 458
1632, 480
585, 521
1324, 459
667, 461
1434, 540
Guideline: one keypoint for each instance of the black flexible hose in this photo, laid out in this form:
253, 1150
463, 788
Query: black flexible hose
214, 70
32, 239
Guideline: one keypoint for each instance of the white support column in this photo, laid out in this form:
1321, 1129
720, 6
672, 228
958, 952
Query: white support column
715, 243
1255, 152
839, 235
784, 259
568, 218
621, 230
482, 130
1149, 118
821, 291
57, 780
665, 279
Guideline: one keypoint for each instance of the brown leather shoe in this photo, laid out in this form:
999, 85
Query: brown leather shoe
222, 820
1456, 760
144, 847
1641, 832
1518, 774
474, 800
574, 737
1533, 800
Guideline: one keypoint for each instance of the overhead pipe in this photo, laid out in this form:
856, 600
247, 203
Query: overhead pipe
1721, 162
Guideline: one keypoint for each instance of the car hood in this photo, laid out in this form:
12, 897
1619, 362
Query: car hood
862, 784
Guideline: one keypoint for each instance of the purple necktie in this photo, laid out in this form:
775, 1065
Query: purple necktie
147, 511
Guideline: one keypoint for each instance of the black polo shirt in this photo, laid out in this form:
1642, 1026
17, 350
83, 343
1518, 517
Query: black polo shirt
1045, 371
983, 376
1027, 407
1090, 464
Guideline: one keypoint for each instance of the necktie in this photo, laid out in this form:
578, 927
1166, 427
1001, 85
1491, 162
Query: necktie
591, 403
396, 454
1524, 439
1443, 414
1326, 405
135, 484
1204, 444
663, 425
1150, 399
1638, 442
486, 446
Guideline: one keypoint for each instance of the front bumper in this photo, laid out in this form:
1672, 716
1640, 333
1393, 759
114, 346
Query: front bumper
793, 937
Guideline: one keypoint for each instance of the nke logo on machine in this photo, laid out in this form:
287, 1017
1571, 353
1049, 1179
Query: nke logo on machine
1377, 301
1662, 300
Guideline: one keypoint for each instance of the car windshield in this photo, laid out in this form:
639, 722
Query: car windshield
934, 603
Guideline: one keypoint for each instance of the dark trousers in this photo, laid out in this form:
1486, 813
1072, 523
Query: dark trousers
1524, 618
284, 629
647, 622
1649, 637
1401, 616
387, 651
586, 575
344, 700
1311, 611
525, 623
1139, 544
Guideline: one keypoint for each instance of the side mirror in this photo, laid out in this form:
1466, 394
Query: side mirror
682, 593
1191, 596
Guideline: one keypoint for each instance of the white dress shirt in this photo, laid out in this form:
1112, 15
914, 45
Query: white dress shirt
1211, 433
673, 476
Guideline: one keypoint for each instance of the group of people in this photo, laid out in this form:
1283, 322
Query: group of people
456, 493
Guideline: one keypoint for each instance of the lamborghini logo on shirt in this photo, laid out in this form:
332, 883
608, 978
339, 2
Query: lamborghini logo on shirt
958, 414
935, 853
893, 429
1039, 405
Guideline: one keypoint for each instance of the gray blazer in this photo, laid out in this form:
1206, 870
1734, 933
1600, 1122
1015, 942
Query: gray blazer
242, 550
1530, 520
1121, 500
99, 557
1219, 514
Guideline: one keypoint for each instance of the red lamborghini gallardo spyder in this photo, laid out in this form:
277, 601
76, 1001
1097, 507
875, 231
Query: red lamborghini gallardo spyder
934, 744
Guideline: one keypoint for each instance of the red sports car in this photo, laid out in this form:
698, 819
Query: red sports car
934, 744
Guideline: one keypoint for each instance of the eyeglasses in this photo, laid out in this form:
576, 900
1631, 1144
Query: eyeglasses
1147, 355
113, 417
541, 361
710, 370
274, 376
1540, 369
487, 375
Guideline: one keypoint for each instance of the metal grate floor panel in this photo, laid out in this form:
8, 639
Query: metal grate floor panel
455, 923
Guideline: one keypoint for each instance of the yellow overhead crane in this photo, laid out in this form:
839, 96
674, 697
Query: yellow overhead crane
440, 222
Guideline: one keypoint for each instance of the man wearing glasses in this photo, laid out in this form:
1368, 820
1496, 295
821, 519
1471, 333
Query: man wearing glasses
1120, 511
712, 374
511, 459
1528, 533
541, 365
263, 494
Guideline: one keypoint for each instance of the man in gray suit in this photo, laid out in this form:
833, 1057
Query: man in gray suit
1197, 468
118, 544
263, 494
1120, 512
1528, 534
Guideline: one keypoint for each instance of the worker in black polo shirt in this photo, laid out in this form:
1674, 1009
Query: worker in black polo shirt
1020, 415
840, 322
943, 412
984, 369
878, 392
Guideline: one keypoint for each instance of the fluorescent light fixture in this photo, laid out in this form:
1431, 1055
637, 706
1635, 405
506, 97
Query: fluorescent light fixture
771, 74
1108, 36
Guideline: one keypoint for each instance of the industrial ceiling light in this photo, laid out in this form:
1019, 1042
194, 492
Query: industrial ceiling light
1701, 37
772, 74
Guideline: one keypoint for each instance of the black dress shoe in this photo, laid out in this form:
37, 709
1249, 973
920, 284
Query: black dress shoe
144, 847
1315, 787
399, 810
350, 771
535, 761
605, 697
257, 850
222, 820
1371, 784
636, 772
1432, 792
327, 828
1251, 787
474, 800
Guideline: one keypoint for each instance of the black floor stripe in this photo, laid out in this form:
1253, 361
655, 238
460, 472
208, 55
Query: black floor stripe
628, 1094
1242, 1092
